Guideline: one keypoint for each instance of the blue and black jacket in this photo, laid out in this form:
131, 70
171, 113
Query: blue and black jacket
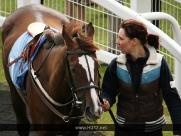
140, 86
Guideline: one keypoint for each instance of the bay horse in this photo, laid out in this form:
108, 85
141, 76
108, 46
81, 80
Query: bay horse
62, 81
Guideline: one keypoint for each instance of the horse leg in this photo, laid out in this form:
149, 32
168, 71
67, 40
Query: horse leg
20, 111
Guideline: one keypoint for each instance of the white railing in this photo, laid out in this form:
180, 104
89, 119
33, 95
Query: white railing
2, 20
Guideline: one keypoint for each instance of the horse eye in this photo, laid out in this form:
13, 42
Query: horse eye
73, 70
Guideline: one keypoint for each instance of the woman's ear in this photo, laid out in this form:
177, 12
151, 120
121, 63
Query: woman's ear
135, 41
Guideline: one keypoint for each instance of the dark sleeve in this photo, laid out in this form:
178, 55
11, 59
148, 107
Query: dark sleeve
171, 97
110, 83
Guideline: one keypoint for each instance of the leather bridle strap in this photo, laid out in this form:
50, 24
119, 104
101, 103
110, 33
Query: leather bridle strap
72, 86
86, 87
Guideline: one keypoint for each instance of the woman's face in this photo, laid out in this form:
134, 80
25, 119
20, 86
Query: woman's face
124, 43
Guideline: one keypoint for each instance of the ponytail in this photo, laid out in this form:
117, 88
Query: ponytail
153, 40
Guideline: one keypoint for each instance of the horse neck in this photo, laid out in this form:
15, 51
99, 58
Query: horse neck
58, 76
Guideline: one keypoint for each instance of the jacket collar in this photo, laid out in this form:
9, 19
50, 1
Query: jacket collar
152, 59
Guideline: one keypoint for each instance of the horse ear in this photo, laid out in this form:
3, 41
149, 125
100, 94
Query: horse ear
66, 37
90, 30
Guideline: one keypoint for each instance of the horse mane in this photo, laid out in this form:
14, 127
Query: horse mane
86, 43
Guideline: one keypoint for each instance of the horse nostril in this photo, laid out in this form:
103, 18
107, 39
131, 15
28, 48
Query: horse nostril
98, 112
88, 109
94, 112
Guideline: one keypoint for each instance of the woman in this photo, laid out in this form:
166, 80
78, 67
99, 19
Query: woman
141, 79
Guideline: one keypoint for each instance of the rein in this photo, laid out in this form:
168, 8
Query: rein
43, 90
65, 118
36, 72
33, 76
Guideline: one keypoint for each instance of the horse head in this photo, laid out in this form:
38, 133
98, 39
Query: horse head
82, 70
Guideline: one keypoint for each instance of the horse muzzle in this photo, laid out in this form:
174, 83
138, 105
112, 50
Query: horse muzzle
92, 114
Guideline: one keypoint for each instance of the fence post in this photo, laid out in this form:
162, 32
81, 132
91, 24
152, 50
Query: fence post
21, 3
178, 76
156, 7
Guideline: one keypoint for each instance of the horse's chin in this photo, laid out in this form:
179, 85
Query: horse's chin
90, 116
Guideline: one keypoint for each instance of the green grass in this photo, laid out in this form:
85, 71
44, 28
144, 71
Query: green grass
2, 76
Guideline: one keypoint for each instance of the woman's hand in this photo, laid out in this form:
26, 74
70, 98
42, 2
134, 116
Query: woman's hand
106, 105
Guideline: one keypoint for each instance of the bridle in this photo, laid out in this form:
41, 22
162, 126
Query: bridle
76, 102
33, 75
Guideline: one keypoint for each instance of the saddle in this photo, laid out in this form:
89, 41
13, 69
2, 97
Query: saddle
36, 31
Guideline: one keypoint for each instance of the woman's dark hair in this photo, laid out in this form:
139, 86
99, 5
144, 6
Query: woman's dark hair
135, 29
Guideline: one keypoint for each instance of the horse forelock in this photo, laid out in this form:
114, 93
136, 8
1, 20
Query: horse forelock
74, 29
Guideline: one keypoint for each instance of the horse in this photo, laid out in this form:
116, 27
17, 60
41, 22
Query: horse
61, 83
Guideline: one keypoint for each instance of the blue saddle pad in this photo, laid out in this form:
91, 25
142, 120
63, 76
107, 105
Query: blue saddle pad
16, 74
